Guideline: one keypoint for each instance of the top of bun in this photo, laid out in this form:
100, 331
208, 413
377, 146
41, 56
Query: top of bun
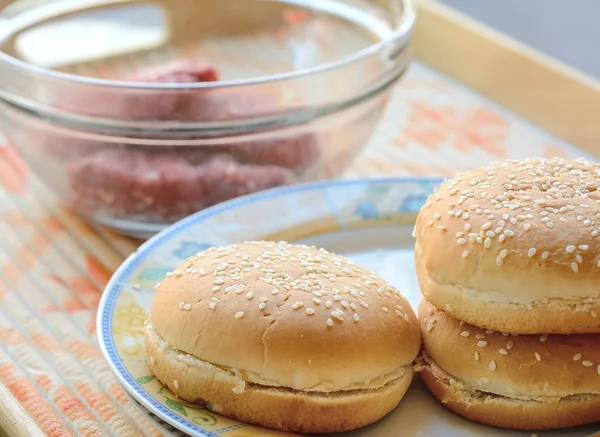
287, 315
516, 231
520, 366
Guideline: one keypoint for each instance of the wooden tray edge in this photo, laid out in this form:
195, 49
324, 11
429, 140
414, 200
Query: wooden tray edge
542, 90
14, 420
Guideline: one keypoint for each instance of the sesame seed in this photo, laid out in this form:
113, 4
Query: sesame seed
181, 305
249, 295
356, 317
587, 363
152, 361
576, 357
476, 356
329, 322
310, 311
262, 306
492, 365
465, 254
212, 306
575, 267
239, 315
430, 327
593, 313
481, 344
465, 334
364, 304
480, 336
543, 337
531, 252
385, 309
216, 288
570, 249
503, 351
545, 255
274, 291
461, 241
187, 307
537, 356
176, 384
431, 311
487, 243
178, 273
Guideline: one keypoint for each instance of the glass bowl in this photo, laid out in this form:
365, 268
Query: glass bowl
138, 113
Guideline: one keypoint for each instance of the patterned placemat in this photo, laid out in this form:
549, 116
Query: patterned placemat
53, 266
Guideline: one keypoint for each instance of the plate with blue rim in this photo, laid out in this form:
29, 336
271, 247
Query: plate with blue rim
370, 221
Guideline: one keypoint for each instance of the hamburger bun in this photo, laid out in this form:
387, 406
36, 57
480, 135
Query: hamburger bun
514, 247
529, 382
284, 336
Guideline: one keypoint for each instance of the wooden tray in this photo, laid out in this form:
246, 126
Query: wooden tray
542, 91
546, 92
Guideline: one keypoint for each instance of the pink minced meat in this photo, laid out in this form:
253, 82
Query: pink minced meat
156, 185
142, 104
178, 71
163, 186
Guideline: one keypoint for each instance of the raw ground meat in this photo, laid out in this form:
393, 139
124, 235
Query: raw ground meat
143, 105
177, 71
163, 186
128, 182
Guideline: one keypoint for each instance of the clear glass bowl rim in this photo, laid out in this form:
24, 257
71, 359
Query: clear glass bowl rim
402, 30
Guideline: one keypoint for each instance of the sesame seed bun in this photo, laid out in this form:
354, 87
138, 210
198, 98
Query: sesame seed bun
514, 247
293, 331
520, 382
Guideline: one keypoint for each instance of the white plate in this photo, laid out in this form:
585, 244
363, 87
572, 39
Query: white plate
370, 221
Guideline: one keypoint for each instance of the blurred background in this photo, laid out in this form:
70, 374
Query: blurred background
565, 30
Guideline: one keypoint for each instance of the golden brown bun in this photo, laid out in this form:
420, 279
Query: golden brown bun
288, 317
522, 382
514, 246
529, 366
284, 409
505, 412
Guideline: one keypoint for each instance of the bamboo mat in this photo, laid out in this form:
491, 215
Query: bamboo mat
53, 266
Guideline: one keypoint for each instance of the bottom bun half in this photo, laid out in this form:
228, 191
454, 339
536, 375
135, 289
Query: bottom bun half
503, 411
223, 391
